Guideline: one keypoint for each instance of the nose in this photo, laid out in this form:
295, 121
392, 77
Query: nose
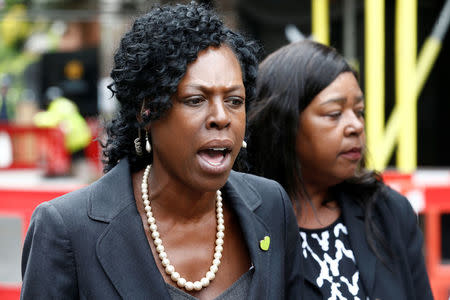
354, 126
218, 117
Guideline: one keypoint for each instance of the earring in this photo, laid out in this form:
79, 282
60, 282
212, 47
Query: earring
244, 144
148, 147
137, 143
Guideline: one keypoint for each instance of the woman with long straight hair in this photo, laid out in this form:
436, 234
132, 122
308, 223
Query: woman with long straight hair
360, 239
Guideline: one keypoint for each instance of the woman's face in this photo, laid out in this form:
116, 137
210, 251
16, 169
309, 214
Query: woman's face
198, 140
331, 138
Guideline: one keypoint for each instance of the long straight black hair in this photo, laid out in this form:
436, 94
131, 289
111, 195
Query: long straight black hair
287, 82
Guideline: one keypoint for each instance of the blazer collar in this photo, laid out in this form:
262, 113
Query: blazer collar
353, 215
111, 193
244, 200
122, 249
126, 258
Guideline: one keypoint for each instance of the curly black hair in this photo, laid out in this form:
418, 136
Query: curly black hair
150, 62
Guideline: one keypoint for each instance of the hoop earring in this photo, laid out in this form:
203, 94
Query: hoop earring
244, 144
148, 147
137, 143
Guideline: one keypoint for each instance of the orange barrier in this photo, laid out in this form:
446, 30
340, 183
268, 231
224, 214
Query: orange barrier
21, 203
34, 147
9, 292
430, 196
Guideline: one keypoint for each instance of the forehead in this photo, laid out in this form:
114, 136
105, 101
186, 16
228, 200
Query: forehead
344, 86
214, 66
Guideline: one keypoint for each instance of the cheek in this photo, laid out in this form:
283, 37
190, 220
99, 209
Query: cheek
240, 124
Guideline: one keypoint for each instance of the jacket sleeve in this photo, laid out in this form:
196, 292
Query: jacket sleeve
414, 244
293, 260
48, 264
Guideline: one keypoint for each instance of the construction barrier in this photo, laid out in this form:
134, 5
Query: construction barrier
429, 194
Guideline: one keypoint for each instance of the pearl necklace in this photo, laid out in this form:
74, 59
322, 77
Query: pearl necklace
169, 268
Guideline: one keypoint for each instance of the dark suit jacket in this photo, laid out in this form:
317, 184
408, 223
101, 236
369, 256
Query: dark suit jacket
90, 244
407, 278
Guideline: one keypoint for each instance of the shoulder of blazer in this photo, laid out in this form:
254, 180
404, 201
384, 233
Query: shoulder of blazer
254, 190
399, 208
104, 199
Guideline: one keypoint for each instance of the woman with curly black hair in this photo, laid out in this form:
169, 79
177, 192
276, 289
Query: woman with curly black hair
170, 219
360, 239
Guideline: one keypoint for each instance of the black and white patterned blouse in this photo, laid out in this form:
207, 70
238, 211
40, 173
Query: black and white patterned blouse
329, 258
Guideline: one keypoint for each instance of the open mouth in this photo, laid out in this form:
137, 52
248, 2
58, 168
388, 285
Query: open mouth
214, 156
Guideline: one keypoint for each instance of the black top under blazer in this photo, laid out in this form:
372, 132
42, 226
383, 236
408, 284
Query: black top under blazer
407, 277
90, 244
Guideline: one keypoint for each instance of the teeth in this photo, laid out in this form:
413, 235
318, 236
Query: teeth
218, 149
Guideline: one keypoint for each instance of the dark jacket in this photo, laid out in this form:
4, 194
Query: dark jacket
406, 277
90, 244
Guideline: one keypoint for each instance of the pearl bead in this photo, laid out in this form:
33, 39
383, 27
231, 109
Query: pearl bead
151, 220
149, 214
146, 202
198, 285
157, 242
219, 204
219, 242
189, 286
210, 275
163, 255
219, 210
214, 268
218, 192
148, 208
170, 269
155, 234
220, 221
165, 262
220, 234
218, 255
153, 227
216, 262
219, 216
204, 281
181, 282
160, 248
175, 276
219, 248
220, 227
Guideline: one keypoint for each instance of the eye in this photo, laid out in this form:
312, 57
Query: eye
235, 101
334, 115
361, 113
194, 101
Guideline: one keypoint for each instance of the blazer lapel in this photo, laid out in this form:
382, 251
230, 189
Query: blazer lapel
244, 201
365, 259
123, 249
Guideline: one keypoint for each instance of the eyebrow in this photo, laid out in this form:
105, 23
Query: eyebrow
343, 100
206, 88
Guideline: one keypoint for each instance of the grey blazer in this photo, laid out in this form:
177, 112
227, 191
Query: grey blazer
90, 244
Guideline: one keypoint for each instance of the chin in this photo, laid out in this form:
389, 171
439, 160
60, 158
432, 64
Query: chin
212, 183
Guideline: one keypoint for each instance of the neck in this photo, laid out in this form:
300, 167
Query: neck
313, 214
174, 199
315, 195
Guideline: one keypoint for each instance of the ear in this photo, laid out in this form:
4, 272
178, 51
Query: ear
145, 112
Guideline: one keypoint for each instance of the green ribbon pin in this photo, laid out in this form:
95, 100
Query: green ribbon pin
265, 243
